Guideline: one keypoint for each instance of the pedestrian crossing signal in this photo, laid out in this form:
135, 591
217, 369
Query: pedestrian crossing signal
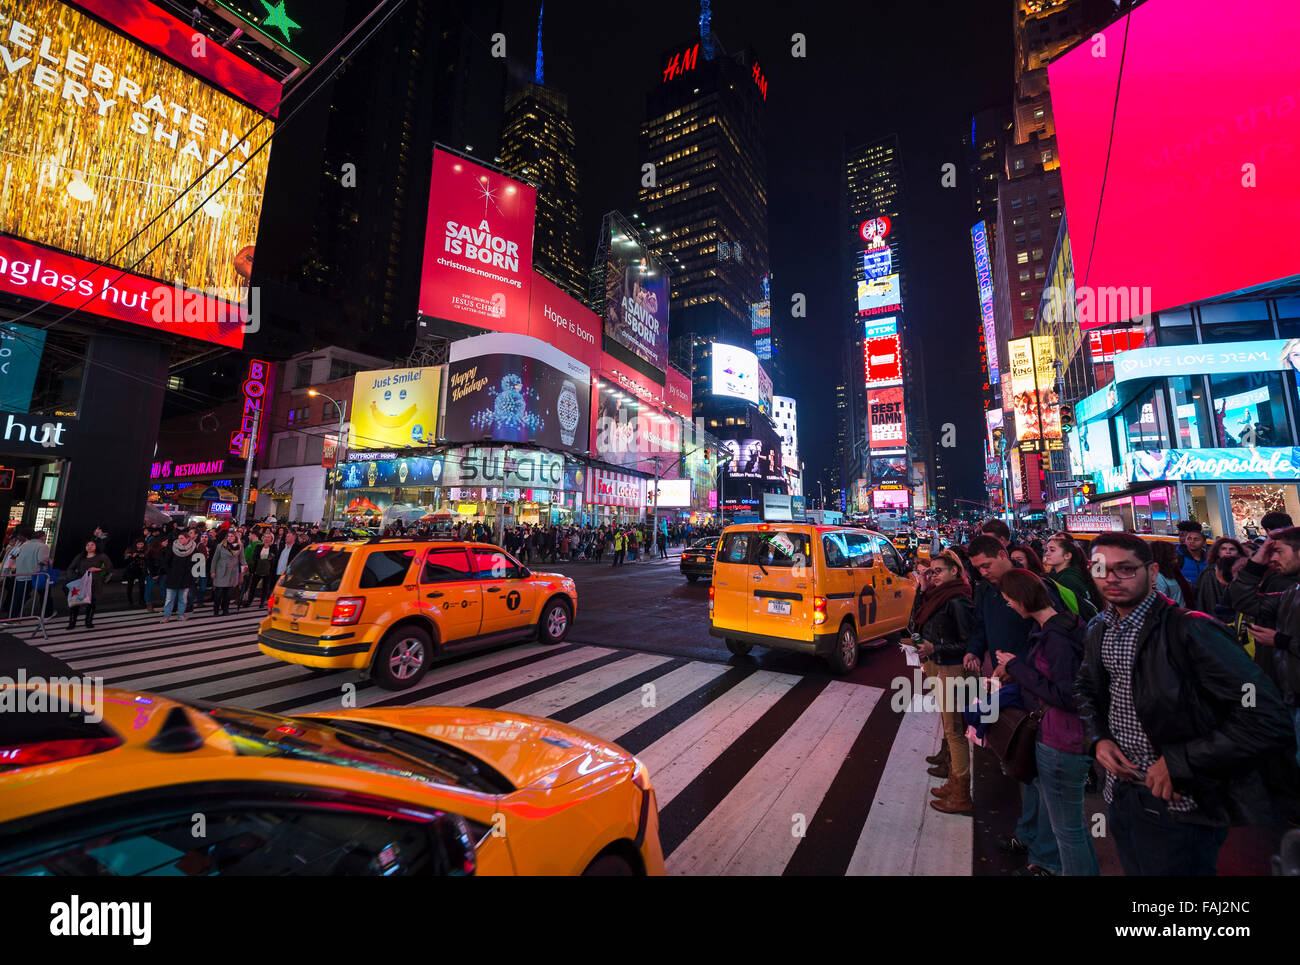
1067, 418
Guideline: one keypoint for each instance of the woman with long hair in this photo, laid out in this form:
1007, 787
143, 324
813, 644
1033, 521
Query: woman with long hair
1169, 578
945, 619
1209, 589
1067, 566
1025, 558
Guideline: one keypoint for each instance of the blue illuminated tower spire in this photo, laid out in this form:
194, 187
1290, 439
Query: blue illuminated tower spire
706, 29
537, 70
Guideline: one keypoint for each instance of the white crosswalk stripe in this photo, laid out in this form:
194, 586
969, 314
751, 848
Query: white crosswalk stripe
742, 758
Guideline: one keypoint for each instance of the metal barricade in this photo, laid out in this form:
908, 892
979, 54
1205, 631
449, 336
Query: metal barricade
25, 598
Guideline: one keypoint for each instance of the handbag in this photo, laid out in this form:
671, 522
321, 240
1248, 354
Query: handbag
1012, 737
79, 590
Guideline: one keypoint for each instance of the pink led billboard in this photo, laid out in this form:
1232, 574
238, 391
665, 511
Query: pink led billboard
1200, 194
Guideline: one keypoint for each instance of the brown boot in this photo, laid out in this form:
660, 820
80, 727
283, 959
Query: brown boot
944, 789
939, 770
942, 757
957, 802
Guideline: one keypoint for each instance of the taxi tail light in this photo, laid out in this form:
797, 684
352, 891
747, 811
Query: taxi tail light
47, 752
270, 603
819, 609
347, 610
712, 592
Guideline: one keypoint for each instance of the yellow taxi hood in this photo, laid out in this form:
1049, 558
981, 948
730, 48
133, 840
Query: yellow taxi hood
538, 575
523, 748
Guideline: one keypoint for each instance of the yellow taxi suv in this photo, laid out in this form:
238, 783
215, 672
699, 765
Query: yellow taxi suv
387, 606
118, 786
821, 590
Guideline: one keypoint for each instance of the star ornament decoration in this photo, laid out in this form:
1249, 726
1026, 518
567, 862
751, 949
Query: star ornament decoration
278, 17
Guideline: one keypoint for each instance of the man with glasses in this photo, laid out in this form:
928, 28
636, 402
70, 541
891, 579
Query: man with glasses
1162, 696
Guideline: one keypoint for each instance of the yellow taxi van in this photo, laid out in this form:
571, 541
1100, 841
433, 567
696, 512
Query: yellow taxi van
821, 590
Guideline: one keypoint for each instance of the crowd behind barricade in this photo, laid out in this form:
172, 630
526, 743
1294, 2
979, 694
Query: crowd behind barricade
1166, 675
240, 565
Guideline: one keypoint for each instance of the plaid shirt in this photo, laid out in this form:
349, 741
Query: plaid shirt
1118, 653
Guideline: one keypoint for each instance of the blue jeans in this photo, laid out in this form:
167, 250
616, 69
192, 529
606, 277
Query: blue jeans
200, 590
1061, 776
176, 601
1035, 829
1150, 842
152, 583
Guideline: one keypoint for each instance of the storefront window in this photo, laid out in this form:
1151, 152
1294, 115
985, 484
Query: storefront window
1191, 413
1249, 410
1203, 506
1238, 332
1250, 503
1145, 421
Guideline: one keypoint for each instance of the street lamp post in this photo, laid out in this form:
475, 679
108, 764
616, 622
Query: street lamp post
338, 445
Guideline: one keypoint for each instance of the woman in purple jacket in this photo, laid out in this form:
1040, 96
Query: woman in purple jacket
1047, 672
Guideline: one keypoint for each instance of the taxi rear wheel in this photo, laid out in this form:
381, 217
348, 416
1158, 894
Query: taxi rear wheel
845, 655
691, 577
610, 865
554, 624
403, 658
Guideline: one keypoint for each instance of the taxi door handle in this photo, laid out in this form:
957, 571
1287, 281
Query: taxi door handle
434, 593
494, 589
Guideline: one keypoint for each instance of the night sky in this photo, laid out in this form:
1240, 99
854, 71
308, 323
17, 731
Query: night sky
918, 69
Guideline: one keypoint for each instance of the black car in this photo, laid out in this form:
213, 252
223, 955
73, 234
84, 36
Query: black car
697, 559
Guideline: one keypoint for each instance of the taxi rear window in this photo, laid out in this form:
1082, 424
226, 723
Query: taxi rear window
318, 568
765, 549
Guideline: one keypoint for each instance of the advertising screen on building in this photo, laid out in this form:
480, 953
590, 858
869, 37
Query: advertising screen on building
754, 458
882, 352
557, 317
984, 279
735, 372
636, 300
478, 246
891, 499
513, 388
394, 408
885, 418
673, 494
678, 392
1034, 398
760, 321
879, 295
889, 469
1280, 463
1151, 181
102, 131
630, 432
386, 473
1049, 403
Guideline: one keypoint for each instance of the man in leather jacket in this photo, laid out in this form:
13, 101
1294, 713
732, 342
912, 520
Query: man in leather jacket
1177, 714
1266, 591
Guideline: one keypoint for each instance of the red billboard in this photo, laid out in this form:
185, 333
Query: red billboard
677, 393
478, 246
1187, 172
882, 354
886, 422
556, 317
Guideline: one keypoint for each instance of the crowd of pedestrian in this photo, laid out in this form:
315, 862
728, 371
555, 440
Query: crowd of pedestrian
1126, 684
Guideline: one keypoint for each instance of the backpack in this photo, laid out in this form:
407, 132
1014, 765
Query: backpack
1081, 607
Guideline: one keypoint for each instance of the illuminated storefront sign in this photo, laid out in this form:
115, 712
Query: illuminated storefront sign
1230, 358
183, 470
1281, 463
984, 277
254, 392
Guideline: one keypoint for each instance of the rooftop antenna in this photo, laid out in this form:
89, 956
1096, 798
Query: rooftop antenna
706, 29
537, 70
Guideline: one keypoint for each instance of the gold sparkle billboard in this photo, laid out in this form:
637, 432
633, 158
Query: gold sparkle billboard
99, 134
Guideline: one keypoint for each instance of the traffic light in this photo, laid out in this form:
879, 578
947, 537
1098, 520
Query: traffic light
1086, 489
1067, 418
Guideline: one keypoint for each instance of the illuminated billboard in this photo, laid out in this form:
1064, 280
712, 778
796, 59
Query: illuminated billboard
886, 424
878, 262
636, 300
631, 432
513, 388
882, 352
889, 469
1033, 391
755, 458
478, 246
760, 321
735, 372
672, 494
891, 500
878, 295
394, 408
105, 141
984, 279
1142, 187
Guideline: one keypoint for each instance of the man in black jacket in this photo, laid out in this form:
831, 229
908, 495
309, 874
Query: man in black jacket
1266, 591
1178, 716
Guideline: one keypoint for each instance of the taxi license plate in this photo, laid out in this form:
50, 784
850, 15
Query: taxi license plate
299, 611
781, 607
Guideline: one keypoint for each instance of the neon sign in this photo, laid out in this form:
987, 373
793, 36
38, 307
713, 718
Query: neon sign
874, 231
254, 391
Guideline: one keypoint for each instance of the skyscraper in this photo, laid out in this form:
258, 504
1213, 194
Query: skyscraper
538, 146
877, 290
704, 192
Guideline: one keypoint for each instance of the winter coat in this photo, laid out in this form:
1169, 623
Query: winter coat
949, 630
76, 569
226, 566
180, 565
1048, 673
1189, 674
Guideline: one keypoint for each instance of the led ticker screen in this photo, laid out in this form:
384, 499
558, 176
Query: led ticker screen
1151, 181
878, 295
984, 278
882, 352
101, 132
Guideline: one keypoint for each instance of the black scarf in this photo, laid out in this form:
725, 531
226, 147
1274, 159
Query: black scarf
935, 599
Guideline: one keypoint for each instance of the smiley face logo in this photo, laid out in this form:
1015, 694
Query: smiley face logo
394, 411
